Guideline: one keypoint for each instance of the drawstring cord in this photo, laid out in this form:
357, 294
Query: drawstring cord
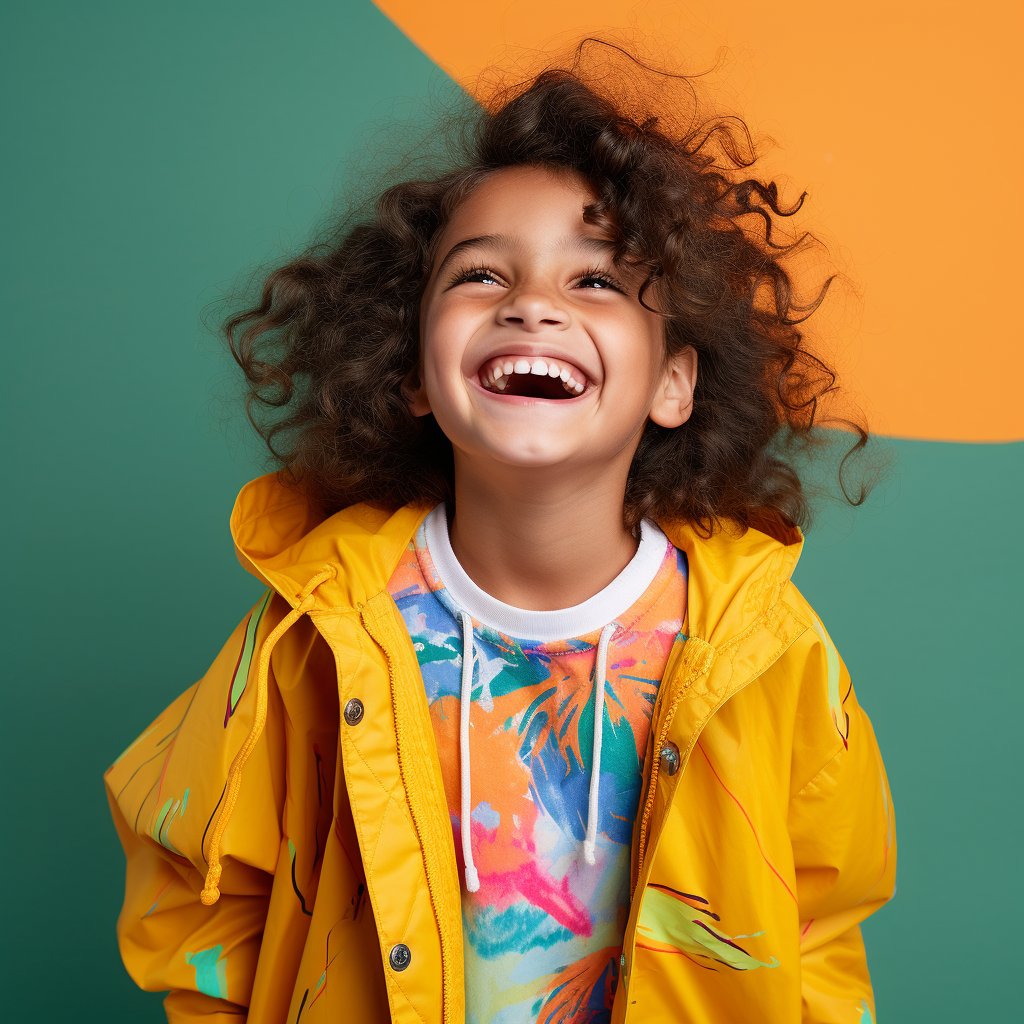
590, 844
211, 890
465, 700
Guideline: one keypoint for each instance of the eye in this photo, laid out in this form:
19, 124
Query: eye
481, 273
596, 274
473, 273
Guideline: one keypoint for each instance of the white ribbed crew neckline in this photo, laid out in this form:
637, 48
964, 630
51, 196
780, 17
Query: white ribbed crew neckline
543, 626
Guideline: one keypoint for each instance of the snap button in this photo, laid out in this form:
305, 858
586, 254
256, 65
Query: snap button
354, 711
400, 957
669, 758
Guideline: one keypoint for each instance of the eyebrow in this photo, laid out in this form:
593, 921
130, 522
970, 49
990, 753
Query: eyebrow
510, 243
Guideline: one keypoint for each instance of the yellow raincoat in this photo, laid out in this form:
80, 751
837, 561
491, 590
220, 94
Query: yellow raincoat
290, 854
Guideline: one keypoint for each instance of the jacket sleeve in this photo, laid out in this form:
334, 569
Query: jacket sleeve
164, 793
844, 845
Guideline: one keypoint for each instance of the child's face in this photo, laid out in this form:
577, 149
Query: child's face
586, 358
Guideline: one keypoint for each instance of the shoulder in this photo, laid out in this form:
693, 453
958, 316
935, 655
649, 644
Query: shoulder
168, 783
833, 739
813, 681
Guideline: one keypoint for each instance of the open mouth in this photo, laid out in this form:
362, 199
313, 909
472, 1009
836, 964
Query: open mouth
531, 377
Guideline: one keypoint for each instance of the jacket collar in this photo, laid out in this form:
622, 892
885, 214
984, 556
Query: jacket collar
735, 576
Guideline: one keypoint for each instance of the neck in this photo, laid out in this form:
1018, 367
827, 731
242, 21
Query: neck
540, 540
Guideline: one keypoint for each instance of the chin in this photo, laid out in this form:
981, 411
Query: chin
533, 460
539, 455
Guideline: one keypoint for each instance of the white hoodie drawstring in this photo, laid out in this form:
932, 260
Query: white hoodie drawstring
465, 700
590, 844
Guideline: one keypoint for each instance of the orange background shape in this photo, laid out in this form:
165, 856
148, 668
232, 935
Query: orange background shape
903, 121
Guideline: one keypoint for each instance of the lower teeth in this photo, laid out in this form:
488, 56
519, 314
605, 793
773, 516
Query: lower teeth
503, 382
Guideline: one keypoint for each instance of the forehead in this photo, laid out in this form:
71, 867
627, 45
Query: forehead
524, 199
522, 209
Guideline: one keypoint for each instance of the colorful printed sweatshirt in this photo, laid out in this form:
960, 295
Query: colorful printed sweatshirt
542, 927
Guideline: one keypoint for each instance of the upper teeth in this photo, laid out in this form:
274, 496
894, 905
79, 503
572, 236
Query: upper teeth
497, 372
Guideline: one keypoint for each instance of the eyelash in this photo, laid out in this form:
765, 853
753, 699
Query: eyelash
593, 272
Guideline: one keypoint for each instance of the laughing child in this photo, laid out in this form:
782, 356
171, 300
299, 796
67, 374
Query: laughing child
531, 724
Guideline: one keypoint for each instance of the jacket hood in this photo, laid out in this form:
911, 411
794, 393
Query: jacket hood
735, 575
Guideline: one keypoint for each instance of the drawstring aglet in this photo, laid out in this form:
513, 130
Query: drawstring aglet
211, 893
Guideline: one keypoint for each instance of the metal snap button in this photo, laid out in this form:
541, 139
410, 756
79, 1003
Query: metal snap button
400, 957
354, 711
669, 758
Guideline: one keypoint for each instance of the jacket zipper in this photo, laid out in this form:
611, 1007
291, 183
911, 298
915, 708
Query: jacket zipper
382, 633
703, 658
704, 655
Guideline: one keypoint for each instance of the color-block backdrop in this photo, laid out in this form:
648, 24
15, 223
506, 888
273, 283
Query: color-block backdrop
154, 154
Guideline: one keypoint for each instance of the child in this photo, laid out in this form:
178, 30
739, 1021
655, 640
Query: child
531, 723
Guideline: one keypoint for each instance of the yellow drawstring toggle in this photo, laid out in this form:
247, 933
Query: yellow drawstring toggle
211, 890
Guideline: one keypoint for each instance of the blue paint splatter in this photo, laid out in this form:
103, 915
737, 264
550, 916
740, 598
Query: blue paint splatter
211, 971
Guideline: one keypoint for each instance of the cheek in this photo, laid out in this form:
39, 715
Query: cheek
443, 349
434, 334
637, 360
444, 334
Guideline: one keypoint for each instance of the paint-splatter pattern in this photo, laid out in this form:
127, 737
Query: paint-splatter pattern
684, 924
542, 935
240, 676
211, 971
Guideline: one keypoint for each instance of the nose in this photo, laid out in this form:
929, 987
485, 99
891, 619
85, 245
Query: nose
533, 311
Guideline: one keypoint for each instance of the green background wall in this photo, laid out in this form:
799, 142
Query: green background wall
154, 153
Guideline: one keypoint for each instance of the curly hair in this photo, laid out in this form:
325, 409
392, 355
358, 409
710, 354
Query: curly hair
334, 334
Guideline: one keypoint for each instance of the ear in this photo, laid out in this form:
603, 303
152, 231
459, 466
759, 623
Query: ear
415, 393
673, 401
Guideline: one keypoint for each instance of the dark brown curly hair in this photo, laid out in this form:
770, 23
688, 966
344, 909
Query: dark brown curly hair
327, 347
